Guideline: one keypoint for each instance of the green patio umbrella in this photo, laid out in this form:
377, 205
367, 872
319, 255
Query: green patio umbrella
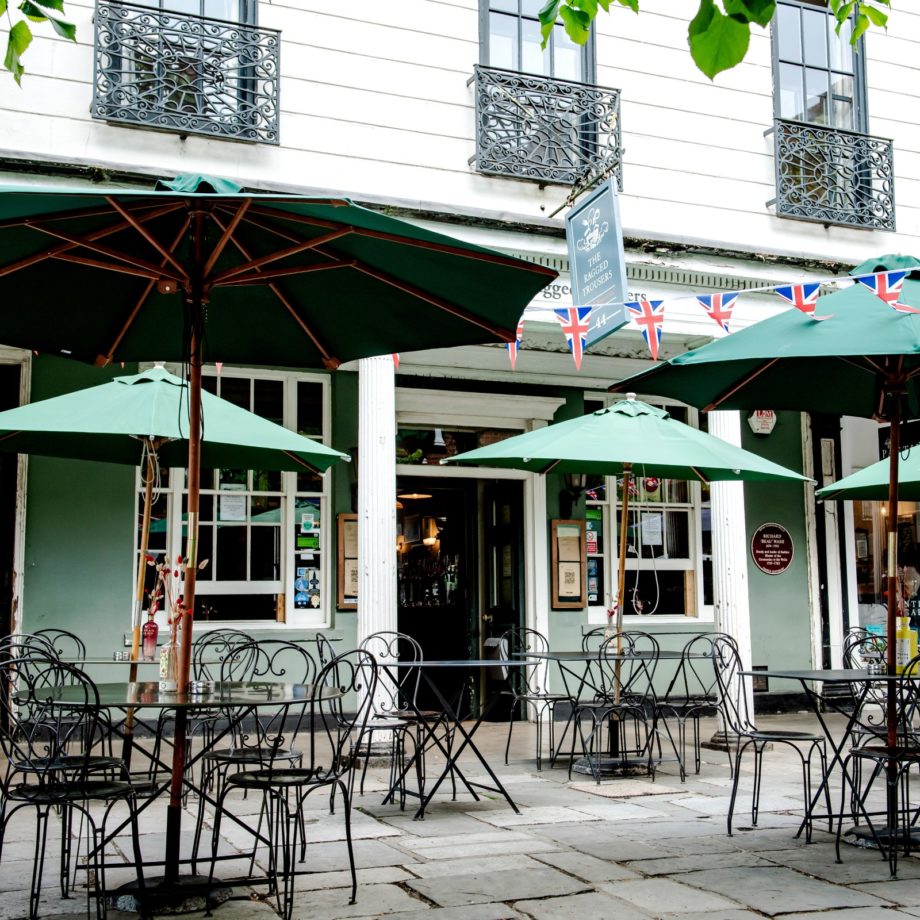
863, 360
143, 419
871, 483
196, 269
629, 436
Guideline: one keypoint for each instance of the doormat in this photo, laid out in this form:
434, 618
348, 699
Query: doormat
624, 789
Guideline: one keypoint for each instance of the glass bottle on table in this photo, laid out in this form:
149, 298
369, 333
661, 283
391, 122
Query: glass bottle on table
149, 637
169, 665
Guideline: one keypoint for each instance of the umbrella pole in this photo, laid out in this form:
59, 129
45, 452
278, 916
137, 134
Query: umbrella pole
891, 714
621, 600
139, 596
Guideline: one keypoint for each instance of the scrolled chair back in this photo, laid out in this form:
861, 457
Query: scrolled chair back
212, 649
733, 697
341, 704
626, 663
65, 644
863, 649
397, 694
518, 642
695, 678
50, 714
17, 644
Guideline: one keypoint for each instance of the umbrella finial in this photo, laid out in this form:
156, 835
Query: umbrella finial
631, 397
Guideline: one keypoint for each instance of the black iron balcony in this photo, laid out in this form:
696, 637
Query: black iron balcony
833, 176
547, 130
190, 74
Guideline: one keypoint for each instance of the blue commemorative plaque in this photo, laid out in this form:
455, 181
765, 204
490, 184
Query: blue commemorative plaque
596, 263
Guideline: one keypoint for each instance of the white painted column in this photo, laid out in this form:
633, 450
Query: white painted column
376, 495
729, 548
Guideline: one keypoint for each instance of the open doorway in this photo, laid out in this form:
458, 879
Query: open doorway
460, 566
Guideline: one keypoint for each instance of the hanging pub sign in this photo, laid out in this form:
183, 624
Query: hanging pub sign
772, 549
596, 262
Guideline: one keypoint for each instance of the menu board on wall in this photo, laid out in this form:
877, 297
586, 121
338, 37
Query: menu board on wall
569, 564
347, 573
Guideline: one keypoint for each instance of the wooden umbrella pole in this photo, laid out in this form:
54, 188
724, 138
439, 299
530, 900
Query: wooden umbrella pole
621, 574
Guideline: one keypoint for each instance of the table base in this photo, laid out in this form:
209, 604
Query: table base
164, 897
863, 836
611, 766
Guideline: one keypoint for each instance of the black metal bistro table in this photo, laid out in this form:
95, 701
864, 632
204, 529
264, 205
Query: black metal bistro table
860, 683
452, 721
576, 669
239, 700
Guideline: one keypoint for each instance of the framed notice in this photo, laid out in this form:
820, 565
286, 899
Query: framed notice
569, 565
347, 569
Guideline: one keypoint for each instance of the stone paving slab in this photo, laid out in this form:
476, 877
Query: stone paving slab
470, 912
454, 891
471, 865
902, 891
332, 904
596, 905
662, 896
673, 865
624, 788
588, 868
780, 891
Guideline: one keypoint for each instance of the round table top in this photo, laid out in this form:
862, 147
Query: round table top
459, 663
143, 694
625, 656
831, 676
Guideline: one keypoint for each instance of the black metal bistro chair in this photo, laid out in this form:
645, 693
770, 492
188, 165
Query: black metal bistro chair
66, 645
252, 741
745, 735
51, 767
693, 693
894, 790
617, 727
337, 708
528, 687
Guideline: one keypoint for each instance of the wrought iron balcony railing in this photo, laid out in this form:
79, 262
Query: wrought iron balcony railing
547, 130
159, 69
833, 176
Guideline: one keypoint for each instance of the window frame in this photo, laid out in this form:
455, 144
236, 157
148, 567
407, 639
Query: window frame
294, 618
588, 53
860, 99
597, 613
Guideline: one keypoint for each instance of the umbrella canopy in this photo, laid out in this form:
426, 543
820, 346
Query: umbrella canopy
862, 359
112, 421
871, 483
198, 270
630, 434
290, 281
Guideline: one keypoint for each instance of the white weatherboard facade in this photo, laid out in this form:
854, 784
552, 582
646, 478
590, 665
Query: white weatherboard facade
376, 104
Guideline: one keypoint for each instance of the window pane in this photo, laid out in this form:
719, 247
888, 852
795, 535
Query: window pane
206, 551
814, 33
503, 41
222, 607
788, 33
816, 96
532, 7
844, 110
268, 400
205, 507
235, 390
310, 409
265, 557
509, 6
567, 57
209, 384
533, 59
657, 593
594, 530
791, 98
266, 481
222, 9
231, 552
840, 48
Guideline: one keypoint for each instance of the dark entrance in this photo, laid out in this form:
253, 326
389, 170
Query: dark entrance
459, 567
9, 464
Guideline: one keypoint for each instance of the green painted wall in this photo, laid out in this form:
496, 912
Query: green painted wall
780, 631
79, 519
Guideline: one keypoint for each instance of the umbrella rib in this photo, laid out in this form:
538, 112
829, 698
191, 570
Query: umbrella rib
699, 475
83, 213
83, 243
260, 277
302, 462
106, 358
329, 360
302, 246
52, 253
137, 272
147, 235
409, 241
505, 335
225, 236
740, 385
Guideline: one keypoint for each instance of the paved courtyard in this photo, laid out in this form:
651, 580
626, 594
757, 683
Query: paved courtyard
629, 849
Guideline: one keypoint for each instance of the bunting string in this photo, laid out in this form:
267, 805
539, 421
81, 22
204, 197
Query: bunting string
648, 315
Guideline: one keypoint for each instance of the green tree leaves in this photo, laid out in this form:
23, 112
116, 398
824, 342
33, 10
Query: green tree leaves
19, 36
720, 33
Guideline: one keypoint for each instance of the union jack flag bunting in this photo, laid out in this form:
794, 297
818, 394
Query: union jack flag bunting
516, 344
396, 360
887, 286
574, 322
803, 297
649, 314
719, 307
